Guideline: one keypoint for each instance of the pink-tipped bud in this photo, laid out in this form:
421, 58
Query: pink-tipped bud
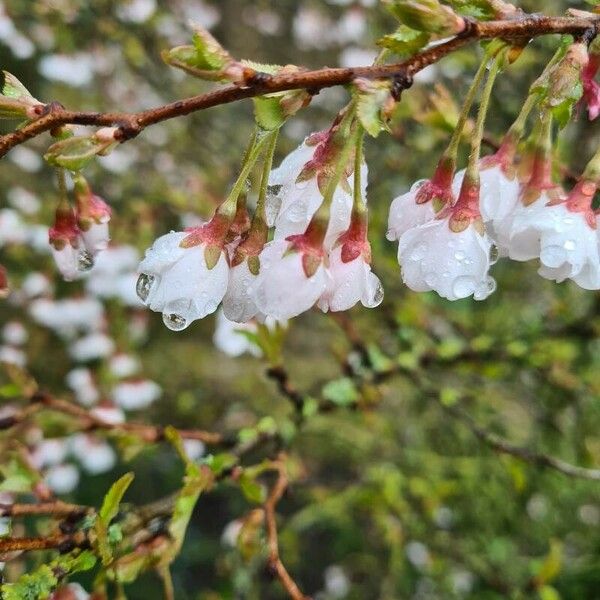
93, 216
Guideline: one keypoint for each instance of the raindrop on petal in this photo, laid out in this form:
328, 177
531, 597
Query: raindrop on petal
175, 322
464, 286
144, 285
85, 261
553, 256
419, 252
494, 254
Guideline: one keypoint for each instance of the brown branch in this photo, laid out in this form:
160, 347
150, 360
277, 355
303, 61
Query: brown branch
131, 124
275, 564
494, 441
149, 433
54, 509
503, 446
63, 542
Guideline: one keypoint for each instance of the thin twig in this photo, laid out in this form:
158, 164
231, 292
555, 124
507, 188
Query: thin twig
275, 564
131, 124
149, 433
503, 446
54, 509
496, 442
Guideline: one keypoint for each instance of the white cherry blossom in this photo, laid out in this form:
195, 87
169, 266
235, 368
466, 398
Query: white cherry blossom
283, 289
453, 264
178, 282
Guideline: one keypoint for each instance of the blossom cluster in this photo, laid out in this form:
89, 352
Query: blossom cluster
309, 262
451, 230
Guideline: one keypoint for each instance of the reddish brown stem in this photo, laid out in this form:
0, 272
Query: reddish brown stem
275, 564
131, 124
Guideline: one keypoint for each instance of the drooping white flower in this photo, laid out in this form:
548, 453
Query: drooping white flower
62, 479
49, 452
229, 336
239, 304
563, 235
136, 395
109, 413
194, 449
351, 282
291, 279
67, 248
351, 279
93, 346
179, 282
13, 356
406, 213
423, 201
300, 181
124, 365
14, 333
95, 455
93, 215
449, 255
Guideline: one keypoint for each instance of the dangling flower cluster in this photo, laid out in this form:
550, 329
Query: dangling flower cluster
453, 228
79, 234
319, 254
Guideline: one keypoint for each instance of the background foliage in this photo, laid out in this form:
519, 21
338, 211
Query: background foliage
392, 496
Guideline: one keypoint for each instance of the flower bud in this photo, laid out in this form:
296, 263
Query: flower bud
15, 100
205, 58
427, 15
93, 215
75, 153
563, 87
3, 282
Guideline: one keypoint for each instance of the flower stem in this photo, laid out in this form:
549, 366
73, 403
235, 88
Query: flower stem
473, 165
452, 151
264, 182
257, 143
358, 205
518, 127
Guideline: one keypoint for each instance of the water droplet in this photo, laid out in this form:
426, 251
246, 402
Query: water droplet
485, 289
419, 252
553, 256
494, 254
460, 256
174, 322
464, 286
85, 261
570, 245
377, 296
144, 285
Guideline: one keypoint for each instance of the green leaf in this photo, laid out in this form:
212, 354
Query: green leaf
112, 500
552, 564
342, 392
77, 152
196, 480
426, 15
268, 112
16, 475
15, 99
405, 41
220, 463
39, 584
34, 586
109, 510
205, 58
252, 490
373, 106
476, 9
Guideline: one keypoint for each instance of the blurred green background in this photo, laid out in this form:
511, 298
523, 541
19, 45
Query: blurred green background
392, 496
